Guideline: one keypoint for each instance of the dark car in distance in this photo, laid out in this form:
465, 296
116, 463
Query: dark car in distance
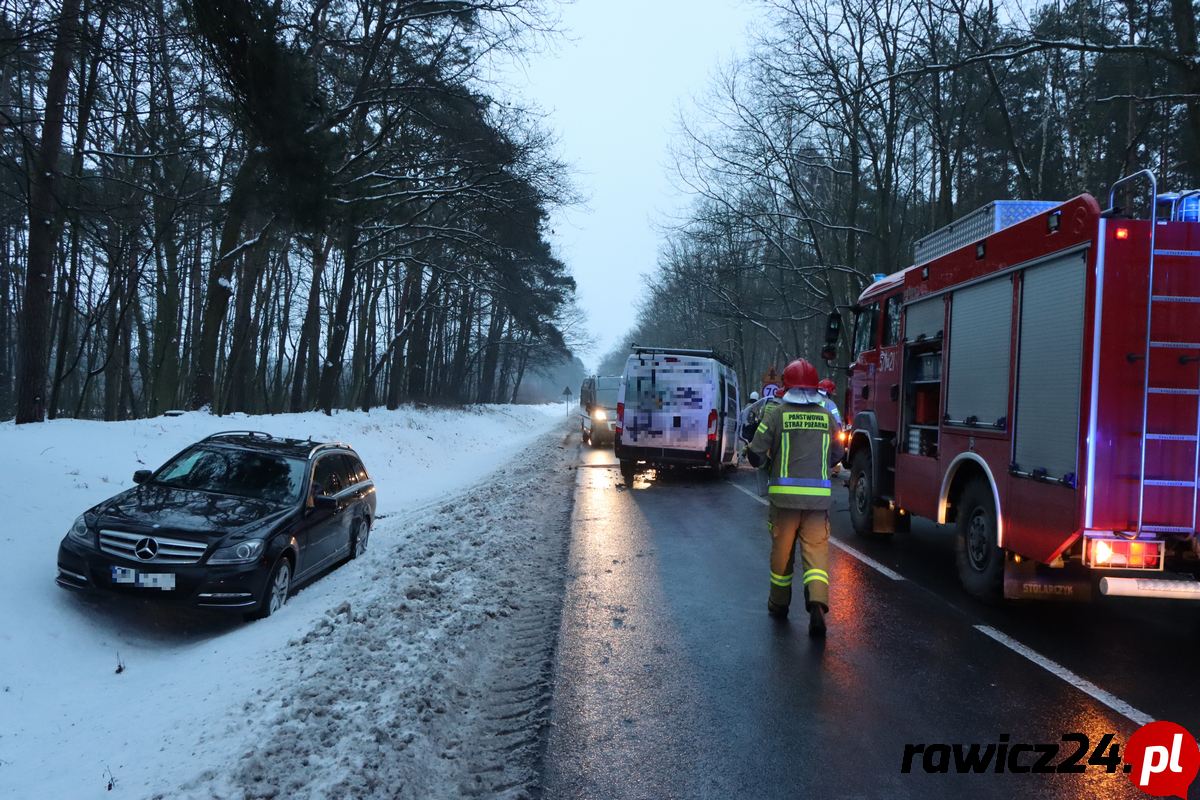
234, 522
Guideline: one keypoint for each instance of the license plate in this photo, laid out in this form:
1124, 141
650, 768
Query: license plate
146, 580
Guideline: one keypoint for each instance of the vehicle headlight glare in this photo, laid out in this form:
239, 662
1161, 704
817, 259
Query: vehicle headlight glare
240, 553
600, 415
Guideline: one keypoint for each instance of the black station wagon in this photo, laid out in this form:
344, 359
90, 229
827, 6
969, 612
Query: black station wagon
234, 522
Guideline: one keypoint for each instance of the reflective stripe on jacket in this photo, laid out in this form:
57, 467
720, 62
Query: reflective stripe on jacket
799, 443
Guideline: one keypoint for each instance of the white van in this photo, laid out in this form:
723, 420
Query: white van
598, 409
676, 407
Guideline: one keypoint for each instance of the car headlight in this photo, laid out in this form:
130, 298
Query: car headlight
80, 532
240, 553
600, 415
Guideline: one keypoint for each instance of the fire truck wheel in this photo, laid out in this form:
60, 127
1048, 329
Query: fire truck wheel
862, 494
980, 560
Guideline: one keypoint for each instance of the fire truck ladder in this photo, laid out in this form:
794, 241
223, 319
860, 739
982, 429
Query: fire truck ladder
1153, 300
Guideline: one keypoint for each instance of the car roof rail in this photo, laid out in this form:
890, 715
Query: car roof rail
249, 434
318, 446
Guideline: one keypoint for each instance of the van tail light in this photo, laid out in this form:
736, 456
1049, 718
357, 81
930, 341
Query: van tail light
712, 425
620, 418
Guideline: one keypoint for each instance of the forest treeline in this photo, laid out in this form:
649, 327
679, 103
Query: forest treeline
853, 127
261, 206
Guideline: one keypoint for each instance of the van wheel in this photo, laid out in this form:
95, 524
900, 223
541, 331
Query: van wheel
628, 470
862, 494
980, 559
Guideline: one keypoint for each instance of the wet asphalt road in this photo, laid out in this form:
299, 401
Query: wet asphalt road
673, 682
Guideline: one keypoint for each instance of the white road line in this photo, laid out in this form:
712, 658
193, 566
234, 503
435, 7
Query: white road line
1064, 674
870, 562
749, 493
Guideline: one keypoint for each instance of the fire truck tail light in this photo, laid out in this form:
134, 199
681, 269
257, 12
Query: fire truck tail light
1122, 233
1123, 554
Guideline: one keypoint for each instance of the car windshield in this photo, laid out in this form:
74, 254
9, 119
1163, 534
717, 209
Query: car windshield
239, 472
606, 392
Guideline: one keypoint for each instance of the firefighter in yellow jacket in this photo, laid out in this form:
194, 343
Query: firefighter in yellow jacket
797, 443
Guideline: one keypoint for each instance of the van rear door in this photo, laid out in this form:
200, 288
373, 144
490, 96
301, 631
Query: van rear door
729, 419
668, 400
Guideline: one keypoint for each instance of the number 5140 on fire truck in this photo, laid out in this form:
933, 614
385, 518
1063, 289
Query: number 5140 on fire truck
1034, 380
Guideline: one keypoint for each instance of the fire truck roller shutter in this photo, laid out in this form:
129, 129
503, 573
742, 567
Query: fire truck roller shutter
924, 318
980, 350
1048, 373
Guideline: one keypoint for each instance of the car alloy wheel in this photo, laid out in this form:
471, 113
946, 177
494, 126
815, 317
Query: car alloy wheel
280, 586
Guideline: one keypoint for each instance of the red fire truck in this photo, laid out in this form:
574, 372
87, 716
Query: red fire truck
1034, 380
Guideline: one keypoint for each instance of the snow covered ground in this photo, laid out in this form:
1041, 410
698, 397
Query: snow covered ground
419, 671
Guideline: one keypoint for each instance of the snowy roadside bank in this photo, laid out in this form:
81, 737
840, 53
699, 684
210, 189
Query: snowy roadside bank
433, 679
68, 721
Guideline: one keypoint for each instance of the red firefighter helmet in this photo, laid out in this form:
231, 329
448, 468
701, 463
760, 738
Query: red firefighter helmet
827, 386
800, 375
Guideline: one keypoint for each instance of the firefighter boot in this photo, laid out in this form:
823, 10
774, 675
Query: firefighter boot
816, 620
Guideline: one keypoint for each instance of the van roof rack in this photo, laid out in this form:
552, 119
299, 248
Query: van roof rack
682, 351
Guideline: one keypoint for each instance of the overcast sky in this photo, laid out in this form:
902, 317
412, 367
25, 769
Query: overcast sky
611, 89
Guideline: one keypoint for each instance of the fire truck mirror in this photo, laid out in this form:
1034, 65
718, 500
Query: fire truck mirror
829, 352
833, 331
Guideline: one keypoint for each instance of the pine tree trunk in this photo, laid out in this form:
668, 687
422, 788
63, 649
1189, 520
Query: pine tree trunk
310, 329
491, 356
332, 371
219, 288
45, 222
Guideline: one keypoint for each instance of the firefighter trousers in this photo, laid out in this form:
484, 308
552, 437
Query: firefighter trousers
812, 529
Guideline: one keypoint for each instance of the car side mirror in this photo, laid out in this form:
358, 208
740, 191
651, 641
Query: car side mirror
142, 475
325, 501
833, 330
